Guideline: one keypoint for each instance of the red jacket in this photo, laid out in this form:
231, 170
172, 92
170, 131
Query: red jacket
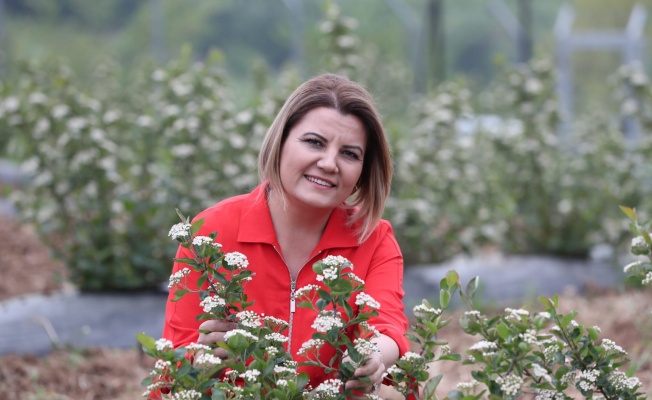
244, 224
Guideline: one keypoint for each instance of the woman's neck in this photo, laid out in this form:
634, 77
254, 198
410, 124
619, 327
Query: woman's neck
293, 218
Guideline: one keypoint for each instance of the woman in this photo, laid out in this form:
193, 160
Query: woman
326, 170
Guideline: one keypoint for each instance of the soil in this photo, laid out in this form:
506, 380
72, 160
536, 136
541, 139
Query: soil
104, 373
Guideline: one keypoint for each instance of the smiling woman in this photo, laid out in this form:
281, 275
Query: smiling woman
325, 172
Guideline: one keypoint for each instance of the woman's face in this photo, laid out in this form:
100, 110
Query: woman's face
322, 159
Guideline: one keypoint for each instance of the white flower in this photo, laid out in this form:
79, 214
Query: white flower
467, 385
11, 104
365, 347
59, 111
325, 322
363, 299
639, 245
328, 274
280, 369
335, 261
179, 230
484, 345
158, 75
411, 356
541, 372
276, 337
236, 259
510, 384
201, 240
177, 277
549, 395
610, 345
144, 121
187, 395
648, 279
249, 319
212, 302
271, 351
631, 265
194, 347
621, 382
282, 382
516, 314
275, 322
394, 370
207, 360
111, 116
423, 310
530, 336
241, 332
329, 388
164, 344
161, 365
250, 375
355, 278
305, 290
310, 344
37, 98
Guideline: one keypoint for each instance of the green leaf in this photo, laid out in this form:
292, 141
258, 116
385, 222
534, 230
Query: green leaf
431, 387
146, 341
452, 278
503, 331
444, 297
547, 303
183, 219
196, 226
630, 212
472, 287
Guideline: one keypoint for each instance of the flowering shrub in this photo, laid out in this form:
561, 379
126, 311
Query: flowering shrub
641, 247
547, 354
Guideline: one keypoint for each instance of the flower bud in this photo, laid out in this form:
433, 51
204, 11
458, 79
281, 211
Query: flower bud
640, 246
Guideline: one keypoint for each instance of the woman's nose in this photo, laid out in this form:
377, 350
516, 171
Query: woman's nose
328, 161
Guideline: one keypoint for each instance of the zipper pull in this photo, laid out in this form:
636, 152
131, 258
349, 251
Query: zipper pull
293, 305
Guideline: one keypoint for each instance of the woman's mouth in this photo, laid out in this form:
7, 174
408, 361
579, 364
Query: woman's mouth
319, 181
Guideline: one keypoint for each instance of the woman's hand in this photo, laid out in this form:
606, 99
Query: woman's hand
213, 331
372, 369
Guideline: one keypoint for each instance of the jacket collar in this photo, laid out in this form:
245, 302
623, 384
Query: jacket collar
256, 224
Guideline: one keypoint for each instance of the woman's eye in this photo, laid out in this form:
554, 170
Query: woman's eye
313, 142
351, 154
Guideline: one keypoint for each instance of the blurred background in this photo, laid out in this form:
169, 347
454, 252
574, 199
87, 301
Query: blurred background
517, 126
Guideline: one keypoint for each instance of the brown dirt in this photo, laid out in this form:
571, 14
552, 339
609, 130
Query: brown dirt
102, 374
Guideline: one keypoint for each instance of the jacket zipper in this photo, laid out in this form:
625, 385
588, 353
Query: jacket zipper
293, 304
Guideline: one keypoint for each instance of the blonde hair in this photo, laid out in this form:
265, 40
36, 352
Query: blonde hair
349, 98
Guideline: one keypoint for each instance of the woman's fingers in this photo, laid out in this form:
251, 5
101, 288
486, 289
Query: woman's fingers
213, 331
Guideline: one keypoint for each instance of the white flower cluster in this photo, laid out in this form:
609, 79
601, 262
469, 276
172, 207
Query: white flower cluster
597, 328
411, 356
152, 388
194, 347
179, 230
325, 322
164, 344
394, 370
328, 274
310, 344
510, 384
530, 336
467, 386
444, 350
236, 259
587, 379
365, 347
187, 395
363, 299
516, 314
276, 337
250, 375
549, 395
305, 290
241, 332
282, 382
647, 281
275, 322
622, 382
329, 388
423, 310
271, 351
486, 347
610, 345
280, 369
631, 265
355, 279
549, 353
161, 365
212, 302
249, 319
544, 315
177, 277
335, 261
369, 330
200, 240
207, 360
639, 245
541, 372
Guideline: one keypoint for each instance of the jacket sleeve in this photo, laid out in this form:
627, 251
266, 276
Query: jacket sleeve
181, 325
384, 282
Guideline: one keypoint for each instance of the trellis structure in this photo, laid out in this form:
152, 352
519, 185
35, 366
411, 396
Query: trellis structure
630, 42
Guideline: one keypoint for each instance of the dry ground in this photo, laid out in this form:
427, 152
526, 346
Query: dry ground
102, 374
